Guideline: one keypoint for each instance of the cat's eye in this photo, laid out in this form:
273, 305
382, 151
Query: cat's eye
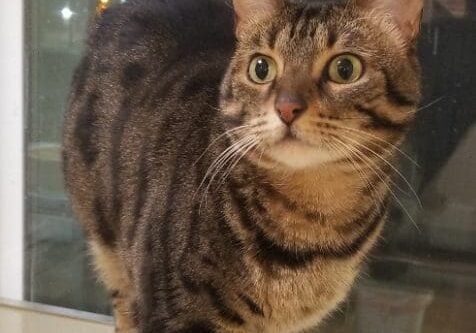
262, 69
345, 69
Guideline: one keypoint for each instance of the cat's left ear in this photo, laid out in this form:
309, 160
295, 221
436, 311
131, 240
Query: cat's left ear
248, 11
407, 14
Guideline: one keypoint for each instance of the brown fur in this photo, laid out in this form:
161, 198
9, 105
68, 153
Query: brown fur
204, 210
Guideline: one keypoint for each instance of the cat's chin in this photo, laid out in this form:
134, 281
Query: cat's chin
295, 154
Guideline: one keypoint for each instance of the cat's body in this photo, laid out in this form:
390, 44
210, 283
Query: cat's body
271, 247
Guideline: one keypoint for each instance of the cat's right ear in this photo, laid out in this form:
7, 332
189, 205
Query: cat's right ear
254, 11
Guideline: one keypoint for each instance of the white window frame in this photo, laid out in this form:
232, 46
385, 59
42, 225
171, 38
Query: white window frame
12, 149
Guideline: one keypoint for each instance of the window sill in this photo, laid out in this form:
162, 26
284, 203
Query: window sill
24, 317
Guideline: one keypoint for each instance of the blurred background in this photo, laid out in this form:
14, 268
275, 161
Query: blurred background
422, 277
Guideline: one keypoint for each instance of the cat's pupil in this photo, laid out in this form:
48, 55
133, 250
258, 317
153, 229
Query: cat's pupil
262, 69
345, 68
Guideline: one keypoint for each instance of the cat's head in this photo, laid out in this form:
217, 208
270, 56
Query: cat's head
315, 82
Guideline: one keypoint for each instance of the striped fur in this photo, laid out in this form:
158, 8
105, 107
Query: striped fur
271, 239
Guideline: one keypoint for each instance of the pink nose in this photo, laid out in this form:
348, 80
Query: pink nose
289, 109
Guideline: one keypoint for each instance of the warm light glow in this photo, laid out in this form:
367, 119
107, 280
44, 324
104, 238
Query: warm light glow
102, 5
66, 13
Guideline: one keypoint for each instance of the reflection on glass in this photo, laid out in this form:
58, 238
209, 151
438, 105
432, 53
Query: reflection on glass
58, 267
422, 277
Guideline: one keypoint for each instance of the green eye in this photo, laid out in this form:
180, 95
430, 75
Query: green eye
262, 70
345, 69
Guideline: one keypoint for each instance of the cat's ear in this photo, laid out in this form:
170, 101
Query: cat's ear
407, 14
255, 10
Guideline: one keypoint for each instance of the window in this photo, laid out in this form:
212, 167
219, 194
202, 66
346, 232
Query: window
58, 270
422, 277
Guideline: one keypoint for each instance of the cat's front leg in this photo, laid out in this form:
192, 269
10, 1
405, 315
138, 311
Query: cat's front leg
123, 316
113, 274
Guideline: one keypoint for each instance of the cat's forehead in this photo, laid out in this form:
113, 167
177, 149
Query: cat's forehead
302, 38
302, 32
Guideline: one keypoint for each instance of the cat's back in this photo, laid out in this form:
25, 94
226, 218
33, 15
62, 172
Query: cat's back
148, 80
166, 28
143, 58
141, 37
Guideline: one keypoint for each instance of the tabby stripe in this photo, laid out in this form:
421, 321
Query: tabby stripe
217, 300
157, 146
394, 95
304, 27
193, 240
197, 327
312, 217
210, 262
190, 250
275, 194
188, 283
295, 22
227, 231
240, 204
170, 76
179, 167
375, 97
378, 120
199, 82
143, 175
273, 35
132, 74
357, 244
290, 205
255, 39
331, 38
115, 294
117, 132
103, 227
271, 252
219, 303
147, 285
254, 308
85, 130
313, 31
271, 191
377, 178
311, 13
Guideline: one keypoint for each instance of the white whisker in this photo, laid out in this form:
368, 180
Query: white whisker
384, 181
244, 151
220, 162
437, 100
391, 166
371, 136
227, 133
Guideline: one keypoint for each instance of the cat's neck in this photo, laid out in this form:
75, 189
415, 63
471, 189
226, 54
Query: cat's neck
329, 189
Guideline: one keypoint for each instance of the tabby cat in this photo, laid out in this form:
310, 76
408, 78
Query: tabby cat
231, 162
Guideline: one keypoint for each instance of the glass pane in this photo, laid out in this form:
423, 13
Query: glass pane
58, 267
422, 277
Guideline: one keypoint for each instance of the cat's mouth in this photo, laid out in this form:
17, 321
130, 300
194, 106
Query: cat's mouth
291, 137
